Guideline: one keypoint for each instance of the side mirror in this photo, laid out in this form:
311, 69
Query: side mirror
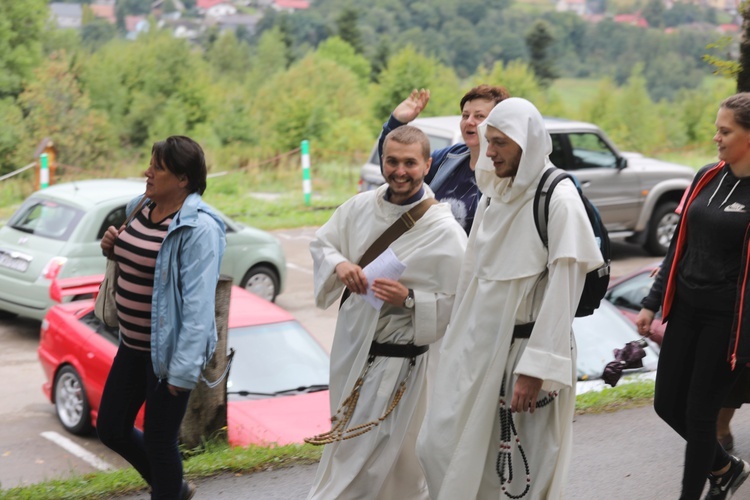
622, 162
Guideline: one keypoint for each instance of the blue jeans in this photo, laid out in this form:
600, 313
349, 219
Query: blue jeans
692, 382
154, 453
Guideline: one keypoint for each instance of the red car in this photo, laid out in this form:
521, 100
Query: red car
277, 387
627, 292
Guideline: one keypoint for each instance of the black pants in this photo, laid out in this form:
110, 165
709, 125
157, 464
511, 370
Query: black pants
692, 382
154, 453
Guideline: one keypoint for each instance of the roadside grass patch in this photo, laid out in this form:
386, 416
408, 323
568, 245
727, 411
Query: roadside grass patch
620, 397
216, 459
274, 199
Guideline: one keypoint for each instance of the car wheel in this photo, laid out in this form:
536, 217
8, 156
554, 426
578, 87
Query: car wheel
71, 403
262, 281
661, 228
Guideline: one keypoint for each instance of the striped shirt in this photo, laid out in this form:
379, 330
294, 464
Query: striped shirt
135, 251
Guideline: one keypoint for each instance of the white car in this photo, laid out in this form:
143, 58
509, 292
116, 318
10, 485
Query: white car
636, 196
56, 233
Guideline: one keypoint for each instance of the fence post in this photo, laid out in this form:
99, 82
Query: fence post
306, 182
43, 171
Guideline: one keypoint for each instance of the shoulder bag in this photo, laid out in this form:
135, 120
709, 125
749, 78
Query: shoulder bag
104, 307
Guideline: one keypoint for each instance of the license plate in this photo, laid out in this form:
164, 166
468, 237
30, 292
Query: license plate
13, 260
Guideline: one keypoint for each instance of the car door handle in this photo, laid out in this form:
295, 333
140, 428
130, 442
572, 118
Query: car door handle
585, 184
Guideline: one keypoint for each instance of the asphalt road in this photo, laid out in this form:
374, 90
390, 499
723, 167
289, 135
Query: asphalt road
626, 455
32, 440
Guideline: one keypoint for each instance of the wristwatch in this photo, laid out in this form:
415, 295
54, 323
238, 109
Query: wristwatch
409, 300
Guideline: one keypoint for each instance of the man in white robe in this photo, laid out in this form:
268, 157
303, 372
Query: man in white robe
381, 463
500, 416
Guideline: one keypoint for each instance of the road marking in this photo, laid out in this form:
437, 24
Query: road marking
76, 450
299, 268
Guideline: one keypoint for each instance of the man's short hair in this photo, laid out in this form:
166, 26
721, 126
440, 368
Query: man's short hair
489, 92
409, 135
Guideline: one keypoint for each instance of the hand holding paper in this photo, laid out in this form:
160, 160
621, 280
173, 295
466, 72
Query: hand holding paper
386, 265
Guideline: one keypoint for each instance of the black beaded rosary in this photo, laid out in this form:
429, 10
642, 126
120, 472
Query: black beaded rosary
508, 435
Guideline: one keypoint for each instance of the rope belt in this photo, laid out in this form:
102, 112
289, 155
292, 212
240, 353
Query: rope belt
523, 331
397, 350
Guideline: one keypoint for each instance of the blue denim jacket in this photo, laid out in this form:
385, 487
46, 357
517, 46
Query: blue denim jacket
183, 328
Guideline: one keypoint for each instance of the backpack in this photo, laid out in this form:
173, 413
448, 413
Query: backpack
597, 280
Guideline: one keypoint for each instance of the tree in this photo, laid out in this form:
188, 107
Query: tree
286, 32
346, 24
229, 57
270, 58
653, 13
306, 102
12, 134
56, 106
538, 41
743, 76
137, 82
21, 32
379, 59
407, 70
338, 50
96, 33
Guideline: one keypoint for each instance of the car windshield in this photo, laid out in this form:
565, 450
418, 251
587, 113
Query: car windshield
598, 335
629, 293
275, 357
45, 218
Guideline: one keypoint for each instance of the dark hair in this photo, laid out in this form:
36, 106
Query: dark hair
409, 135
739, 104
182, 156
489, 92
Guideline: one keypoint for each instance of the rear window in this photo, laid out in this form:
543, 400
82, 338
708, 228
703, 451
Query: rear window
48, 219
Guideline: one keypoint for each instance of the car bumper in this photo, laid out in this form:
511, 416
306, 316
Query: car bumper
30, 300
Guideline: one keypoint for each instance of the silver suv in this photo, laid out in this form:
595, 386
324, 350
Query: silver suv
635, 195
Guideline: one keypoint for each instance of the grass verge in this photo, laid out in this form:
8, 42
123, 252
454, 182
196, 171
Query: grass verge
219, 458
216, 459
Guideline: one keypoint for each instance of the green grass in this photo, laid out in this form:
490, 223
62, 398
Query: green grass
620, 397
574, 92
220, 459
217, 459
275, 200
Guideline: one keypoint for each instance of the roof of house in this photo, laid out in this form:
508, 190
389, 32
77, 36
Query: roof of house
292, 4
205, 4
634, 19
104, 11
60, 9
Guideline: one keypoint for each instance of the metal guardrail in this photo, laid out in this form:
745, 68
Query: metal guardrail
16, 172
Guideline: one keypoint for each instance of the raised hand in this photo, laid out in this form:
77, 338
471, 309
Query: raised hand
410, 107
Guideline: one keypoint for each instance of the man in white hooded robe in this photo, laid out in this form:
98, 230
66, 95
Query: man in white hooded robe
381, 463
500, 416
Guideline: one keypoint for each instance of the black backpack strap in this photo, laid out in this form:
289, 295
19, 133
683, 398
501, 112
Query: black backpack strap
550, 178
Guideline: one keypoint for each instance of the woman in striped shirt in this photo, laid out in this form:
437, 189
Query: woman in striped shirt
168, 258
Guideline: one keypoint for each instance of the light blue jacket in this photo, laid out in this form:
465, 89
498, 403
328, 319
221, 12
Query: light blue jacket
183, 328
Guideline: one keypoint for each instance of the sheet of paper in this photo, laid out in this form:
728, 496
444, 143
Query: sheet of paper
386, 265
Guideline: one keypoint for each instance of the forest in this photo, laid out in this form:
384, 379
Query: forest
331, 74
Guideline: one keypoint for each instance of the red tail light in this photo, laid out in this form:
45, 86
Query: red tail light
53, 267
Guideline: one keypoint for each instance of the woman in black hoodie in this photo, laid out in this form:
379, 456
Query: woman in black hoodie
701, 288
